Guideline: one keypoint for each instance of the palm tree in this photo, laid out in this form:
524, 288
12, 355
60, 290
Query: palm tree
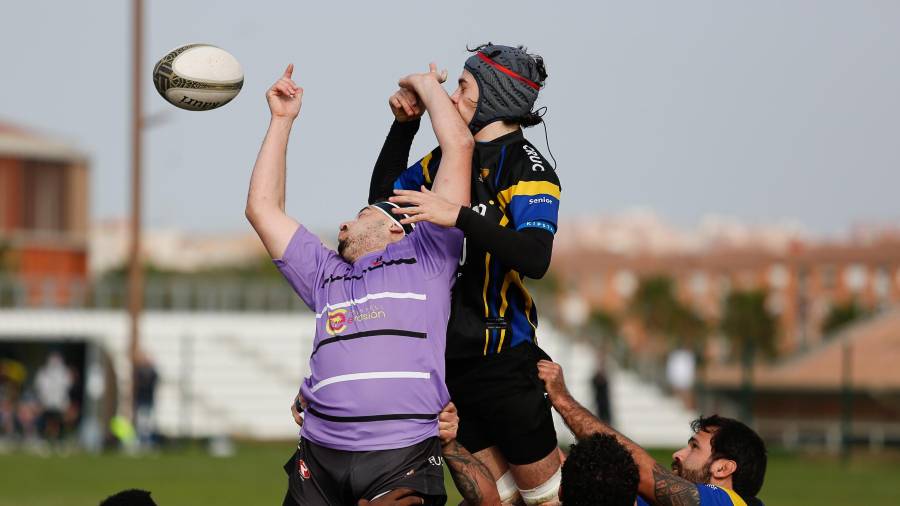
752, 330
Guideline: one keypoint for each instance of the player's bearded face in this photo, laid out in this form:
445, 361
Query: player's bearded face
367, 233
700, 474
694, 462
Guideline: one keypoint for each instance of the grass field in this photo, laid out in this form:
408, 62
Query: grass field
254, 476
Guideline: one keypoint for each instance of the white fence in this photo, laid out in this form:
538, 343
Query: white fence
237, 372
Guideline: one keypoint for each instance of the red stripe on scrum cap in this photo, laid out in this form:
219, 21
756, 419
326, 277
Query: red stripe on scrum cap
508, 72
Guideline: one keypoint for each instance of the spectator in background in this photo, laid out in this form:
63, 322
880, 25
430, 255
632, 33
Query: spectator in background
28, 413
12, 377
680, 371
7, 413
52, 384
145, 379
600, 383
76, 395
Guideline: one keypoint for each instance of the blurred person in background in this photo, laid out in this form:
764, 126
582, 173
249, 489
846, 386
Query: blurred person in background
724, 463
600, 384
12, 377
28, 414
681, 367
145, 380
52, 383
76, 395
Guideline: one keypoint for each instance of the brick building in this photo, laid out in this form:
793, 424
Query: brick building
803, 281
43, 215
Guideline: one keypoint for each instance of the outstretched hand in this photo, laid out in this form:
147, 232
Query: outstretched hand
285, 97
425, 205
417, 82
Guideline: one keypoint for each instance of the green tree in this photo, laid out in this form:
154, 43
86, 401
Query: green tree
603, 324
654, 303
841, 315
752, 330
5, 257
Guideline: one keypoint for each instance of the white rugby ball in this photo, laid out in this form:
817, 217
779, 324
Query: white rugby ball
198, 77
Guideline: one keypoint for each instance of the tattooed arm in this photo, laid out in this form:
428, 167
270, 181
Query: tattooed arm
671, 490
472, 478
657, 485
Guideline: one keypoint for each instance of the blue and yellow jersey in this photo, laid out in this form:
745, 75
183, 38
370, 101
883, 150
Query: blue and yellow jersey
711, 495
514, 187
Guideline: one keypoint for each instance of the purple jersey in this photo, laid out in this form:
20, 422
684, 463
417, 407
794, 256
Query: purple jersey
377, 367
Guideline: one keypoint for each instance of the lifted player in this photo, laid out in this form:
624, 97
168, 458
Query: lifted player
492, 336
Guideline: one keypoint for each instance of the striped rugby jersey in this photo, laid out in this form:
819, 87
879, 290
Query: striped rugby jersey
514, 187
377, 366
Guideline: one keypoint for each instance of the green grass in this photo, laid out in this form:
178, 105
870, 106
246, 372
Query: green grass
254, 476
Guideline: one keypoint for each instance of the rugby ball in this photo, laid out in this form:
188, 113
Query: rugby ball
198, 77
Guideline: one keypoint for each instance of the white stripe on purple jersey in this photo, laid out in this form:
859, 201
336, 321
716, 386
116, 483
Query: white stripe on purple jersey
377, 367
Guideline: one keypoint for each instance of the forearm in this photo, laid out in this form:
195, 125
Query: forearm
265, 200
453, 179
267, 182
472, 478
392, 159
527, 251
657, 484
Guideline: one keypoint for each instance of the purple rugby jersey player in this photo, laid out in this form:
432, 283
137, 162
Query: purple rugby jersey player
377, 366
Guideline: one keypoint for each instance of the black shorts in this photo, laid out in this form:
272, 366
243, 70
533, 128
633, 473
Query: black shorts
320, 476
502, 403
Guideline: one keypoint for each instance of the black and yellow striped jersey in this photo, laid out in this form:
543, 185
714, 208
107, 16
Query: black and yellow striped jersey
514, 187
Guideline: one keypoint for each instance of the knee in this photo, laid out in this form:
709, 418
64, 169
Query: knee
545, 493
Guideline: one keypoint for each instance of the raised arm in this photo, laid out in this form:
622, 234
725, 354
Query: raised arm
392, 159
657, 484
265, 199
394, 154
453, 179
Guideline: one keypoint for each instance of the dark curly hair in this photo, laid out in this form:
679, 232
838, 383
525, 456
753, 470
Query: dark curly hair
599, 471
132, 497
732, 440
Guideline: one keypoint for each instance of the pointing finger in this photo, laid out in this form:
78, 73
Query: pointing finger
288, 71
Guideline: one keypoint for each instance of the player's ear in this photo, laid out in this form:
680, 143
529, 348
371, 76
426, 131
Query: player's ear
396, 230
722, 469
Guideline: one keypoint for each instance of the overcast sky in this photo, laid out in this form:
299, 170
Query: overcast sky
767, 110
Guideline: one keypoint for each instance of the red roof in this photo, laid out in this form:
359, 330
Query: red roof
19, 142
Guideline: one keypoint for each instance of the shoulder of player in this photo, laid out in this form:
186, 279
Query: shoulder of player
718, 496
523, 162
424, 228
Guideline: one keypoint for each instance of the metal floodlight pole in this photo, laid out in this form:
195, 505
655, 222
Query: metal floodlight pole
135, 273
